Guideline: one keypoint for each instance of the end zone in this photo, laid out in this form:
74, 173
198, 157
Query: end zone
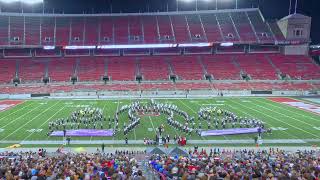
298, 104
8, 104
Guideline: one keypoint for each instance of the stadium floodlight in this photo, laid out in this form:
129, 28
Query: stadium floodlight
189, 1
48, 47
22, 1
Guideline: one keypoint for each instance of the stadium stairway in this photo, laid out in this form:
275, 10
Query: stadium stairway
256, 66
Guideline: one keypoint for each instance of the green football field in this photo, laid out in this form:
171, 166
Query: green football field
28, 121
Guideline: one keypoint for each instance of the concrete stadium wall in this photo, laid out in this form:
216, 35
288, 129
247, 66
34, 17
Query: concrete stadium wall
157, 94
169, 94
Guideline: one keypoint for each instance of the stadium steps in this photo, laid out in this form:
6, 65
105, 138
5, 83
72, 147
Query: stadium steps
76, 68
237, 65
138, 69
105, 66
274, 66
204, 68
243, 73
46, 69
253, 28
17, 68
270, 30
170, 67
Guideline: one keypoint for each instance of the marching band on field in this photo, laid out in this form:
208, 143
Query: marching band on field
92, 118
85, 118
223, 117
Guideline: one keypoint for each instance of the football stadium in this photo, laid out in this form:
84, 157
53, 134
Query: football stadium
175, 89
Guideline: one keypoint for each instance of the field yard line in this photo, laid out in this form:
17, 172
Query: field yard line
21, 116
30, 121
45, 122
286, 116
272, 104
264, 121
152, 125
203, 138
276, 119
114, 123
16, 110
134, 129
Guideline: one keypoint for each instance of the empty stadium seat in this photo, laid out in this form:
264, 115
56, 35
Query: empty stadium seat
297, 67
257, 66
187, 67
221, 67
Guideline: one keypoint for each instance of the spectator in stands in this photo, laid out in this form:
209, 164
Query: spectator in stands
30, 165
244, 164
139, 176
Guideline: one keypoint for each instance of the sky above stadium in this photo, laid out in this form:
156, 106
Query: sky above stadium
272, 9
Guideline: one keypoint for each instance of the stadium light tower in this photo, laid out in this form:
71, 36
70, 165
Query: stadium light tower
22, 1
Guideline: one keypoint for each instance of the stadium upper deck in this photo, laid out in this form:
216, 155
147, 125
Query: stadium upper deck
243, 26
73, 48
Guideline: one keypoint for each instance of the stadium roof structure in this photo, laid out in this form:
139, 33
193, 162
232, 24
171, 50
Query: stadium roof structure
296, 16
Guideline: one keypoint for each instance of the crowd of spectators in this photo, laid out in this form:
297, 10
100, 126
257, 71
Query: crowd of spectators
95, 166
198, 165
239, 165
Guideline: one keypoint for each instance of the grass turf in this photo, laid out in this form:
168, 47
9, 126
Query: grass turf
16, 123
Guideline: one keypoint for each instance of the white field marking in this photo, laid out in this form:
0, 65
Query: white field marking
152, 125
29, 121
271, 104
265, 122
278, 129
20, 116
203, 138
79, 106
193, 101
17, 110
34, 130
278, 120
114, 123
134, 133
1, 130
119, 102
317, 128
211, 104
45, 122
134, 129
285, 115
